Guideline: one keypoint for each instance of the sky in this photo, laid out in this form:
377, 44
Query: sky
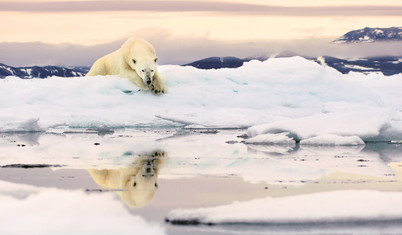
74, 32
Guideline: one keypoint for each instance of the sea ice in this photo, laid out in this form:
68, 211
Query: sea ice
278, 95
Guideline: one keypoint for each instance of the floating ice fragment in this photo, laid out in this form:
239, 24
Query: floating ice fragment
333, 140
280, 138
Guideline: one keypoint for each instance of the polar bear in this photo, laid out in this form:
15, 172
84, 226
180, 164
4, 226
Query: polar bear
136, 184
136, 59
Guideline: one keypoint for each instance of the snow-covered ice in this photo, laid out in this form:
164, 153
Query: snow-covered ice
340, 206
34, 210
280, 95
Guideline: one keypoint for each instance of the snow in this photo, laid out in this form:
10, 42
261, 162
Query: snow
378, 31
321, 60
356, 59
280, 95
397, 61
351, 66
28, 71
339, 206
34, 210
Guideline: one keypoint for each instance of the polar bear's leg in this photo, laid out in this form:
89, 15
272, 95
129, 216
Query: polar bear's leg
159, 85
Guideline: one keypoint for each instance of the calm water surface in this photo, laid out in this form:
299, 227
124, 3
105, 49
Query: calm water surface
98, 183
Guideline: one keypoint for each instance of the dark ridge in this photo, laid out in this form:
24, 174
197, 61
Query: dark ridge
371, 35
187, 222
41, 72
28, 166
323, 223
221, 62
388, 65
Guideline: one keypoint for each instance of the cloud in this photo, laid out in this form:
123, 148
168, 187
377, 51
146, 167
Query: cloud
200, 6
181, 50
37, 53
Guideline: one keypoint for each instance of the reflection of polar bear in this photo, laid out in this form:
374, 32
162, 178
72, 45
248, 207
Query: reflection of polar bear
136, 60
136, 185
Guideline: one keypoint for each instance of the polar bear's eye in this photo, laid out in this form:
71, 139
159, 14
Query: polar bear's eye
134, 61
152, 70
143, 70
135, 184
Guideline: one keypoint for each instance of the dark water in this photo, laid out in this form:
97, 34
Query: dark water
132, 179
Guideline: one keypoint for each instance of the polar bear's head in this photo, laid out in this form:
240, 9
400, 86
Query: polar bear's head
136, 184
140, 56
145, 68
141, 187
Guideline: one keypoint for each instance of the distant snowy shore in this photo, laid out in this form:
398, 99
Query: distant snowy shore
290, 98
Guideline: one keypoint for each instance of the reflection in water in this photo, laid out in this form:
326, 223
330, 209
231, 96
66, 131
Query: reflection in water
205, 168
135, 184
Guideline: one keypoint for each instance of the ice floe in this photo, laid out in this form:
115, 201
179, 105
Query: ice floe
289, 95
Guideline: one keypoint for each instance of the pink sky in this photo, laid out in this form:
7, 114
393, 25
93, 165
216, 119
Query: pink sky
217, 22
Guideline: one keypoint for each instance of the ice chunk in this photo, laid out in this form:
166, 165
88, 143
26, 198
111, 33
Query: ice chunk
333, 140
280, 138
364, 122
336, 206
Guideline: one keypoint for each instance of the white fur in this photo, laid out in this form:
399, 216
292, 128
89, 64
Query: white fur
134, 184
135, 59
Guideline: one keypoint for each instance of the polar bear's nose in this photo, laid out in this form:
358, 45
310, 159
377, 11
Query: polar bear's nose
149, 82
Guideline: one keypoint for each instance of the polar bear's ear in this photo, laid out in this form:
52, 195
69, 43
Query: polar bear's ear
156, 59
134, 61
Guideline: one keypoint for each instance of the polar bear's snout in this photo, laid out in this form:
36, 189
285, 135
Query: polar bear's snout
148, 174
149, 78
147, 75
149, 170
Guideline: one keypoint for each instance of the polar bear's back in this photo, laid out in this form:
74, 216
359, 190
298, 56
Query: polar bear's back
106, 65
138, 47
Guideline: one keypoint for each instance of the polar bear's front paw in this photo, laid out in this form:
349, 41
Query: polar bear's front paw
158, 89
158, 154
